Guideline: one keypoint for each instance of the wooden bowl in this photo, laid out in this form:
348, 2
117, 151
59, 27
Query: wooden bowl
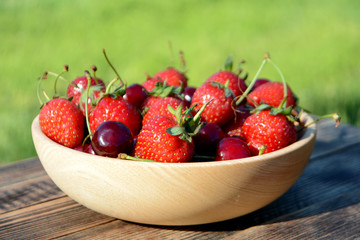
173, 193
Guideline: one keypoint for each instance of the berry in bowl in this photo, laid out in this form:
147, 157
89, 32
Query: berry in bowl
151, 166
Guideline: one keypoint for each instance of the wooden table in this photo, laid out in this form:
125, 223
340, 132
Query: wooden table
323, 204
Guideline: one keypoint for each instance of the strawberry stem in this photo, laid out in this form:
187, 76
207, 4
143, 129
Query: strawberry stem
127, 157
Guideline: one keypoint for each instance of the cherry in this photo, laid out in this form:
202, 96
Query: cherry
188, 94
233, 128
232, 148
112, 138
260, 81
76, 88
207, 139
86, 149
135, 94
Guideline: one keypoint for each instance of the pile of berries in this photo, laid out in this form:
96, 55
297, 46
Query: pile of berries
164, 119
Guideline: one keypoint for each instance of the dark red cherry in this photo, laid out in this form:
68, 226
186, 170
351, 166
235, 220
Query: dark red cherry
260, 81
86, 149
207, 139
79, 85
112, 138
188, 94
232, 148
135, 94
234, 127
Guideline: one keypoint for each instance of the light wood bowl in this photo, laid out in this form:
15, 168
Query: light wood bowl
173, 193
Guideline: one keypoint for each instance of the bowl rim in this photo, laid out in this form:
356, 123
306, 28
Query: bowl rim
308, 136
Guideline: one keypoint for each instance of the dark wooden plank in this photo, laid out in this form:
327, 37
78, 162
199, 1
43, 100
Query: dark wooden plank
26, 193
330, 138
49, 220
20, 171
338, 224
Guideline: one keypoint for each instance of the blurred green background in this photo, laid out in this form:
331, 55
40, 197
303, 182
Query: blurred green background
315, 43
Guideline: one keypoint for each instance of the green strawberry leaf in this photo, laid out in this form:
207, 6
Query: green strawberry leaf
229, 63
175, 131
284, 111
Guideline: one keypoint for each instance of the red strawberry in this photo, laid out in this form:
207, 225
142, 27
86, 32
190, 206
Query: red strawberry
115, 109
150, 83
160, 107
236, 84
172, 77
264, 129
155, 143
63, 122
271, 93
219, 110
160, 91
79, 85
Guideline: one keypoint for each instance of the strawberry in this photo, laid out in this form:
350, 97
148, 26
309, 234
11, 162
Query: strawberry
161, 90
172, 77
149, 84
236, 84
160, 107
271, 93
274, 131
219, 111
63, 122
169, 139
79, 85
115, 108
155, 143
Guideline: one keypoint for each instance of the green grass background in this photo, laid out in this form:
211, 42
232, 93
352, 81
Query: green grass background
315, 43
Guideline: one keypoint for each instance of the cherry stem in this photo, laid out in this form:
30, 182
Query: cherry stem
38, 90
261, 150
171, 50
46, 96
94, 69
108, 88
113, 68
284, 82
58, 75
127, 157
66, 69
248, 89
334, 116
87, 74
182, 60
